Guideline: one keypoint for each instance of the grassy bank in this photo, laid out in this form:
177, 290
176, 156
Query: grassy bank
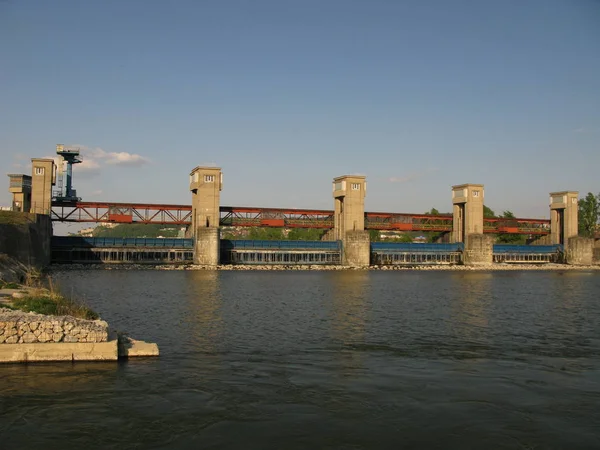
15, 218
40, 295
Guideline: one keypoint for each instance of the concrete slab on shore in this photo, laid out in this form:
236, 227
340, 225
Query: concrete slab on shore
59, 351
129, 347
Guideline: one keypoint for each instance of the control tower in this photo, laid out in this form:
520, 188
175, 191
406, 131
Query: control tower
65, 191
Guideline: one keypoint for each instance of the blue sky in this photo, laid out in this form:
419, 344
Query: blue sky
286, 95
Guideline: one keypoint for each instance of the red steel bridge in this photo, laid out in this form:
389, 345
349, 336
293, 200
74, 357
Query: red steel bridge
276, 217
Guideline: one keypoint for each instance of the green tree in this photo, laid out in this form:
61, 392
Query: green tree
488, 213
305, 234
589, 213
510, 238
374, 235
266, 234
432, 212
404, 238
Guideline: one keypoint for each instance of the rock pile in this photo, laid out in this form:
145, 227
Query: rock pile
17, 327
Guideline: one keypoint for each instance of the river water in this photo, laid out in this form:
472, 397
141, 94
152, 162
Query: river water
324, 360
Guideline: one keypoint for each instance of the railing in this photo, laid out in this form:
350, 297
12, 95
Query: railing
416, 248
406, 253
280, 252
527, 253
108, 242
245, 244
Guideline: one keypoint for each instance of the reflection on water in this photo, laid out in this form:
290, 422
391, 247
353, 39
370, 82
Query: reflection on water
469, 305
203, 296
351, 302
352, 359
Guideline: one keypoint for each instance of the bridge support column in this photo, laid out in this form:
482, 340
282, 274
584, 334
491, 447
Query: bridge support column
479, 250
467, 224
580, 251
206, 246
467, 210
206, 184
356, 249
349, 193
564, 212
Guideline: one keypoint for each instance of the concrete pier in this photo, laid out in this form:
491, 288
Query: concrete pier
479, 250
349, 193
563, 217
207, 246
357, 249
206, 184
580, 251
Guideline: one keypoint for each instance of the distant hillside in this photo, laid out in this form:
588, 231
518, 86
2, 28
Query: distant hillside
137, 230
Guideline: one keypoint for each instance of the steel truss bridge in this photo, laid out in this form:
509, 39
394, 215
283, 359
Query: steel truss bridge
235, 216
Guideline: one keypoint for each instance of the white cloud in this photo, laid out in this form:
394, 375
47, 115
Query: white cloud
95, 158
125, 159
579, 130
97, 192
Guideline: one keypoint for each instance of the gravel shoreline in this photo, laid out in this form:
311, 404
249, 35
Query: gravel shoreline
229, 267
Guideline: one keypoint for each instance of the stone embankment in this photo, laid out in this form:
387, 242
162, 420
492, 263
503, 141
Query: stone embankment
31, 337
229, 267
17, 327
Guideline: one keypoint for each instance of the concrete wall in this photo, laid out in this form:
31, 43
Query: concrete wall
580, 251
479, 250
467, 211
357, 249
207, 246
28, 242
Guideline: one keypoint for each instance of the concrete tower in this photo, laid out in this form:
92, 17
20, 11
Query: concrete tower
467, 201
349, 193
564, 211
206, 184
20, 188
43, 177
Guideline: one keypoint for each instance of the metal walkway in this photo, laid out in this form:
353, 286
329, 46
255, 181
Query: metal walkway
280, 252
527, 253
394, 253
90, 250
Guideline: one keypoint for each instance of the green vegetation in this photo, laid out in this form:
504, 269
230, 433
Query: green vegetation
278, 234
510, 238
52, 304
42, 297
133, 230
589, 215
488, 213
14, 218
305, 234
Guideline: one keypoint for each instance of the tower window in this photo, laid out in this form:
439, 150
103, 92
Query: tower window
39, 171
209, 178
356, 186
475, 193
